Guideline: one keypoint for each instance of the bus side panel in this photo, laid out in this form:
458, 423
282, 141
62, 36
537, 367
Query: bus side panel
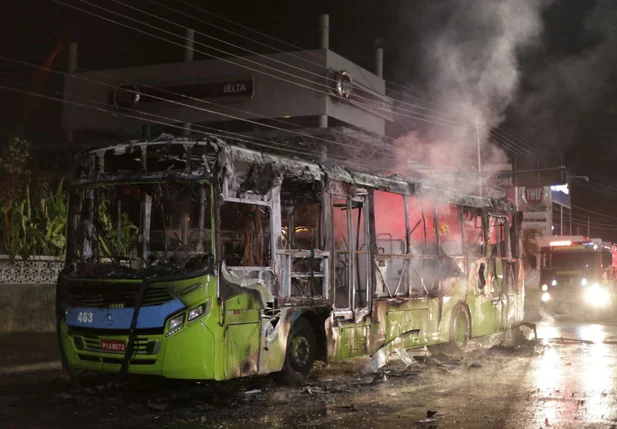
408, 315
275, 329
442, 309
241, 335
485, 314
241, 350
353, 340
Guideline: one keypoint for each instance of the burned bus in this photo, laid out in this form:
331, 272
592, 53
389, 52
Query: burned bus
201, 260
578, 277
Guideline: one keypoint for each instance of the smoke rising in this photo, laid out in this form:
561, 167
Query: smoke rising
571, 83
466, 60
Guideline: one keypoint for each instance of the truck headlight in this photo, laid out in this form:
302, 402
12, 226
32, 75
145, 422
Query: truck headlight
544, 288
584, 282
597, 296
554, 282
546, 296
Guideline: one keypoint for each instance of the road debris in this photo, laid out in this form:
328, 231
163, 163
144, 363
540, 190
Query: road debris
313, 390
382, 356
157, 406
63, 395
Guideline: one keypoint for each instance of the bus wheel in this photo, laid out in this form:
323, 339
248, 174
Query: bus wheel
460, 326
300, 354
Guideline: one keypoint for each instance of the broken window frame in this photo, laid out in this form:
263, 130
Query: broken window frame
92, 247
289, 256
381, 259
351, 310
271, 244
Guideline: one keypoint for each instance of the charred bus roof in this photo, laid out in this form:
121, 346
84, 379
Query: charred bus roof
173, 158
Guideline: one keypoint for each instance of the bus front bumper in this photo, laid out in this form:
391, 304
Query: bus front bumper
186, 354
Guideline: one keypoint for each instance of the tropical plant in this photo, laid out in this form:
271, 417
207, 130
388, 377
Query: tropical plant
14, 178
52, 215
120, 240
23, 235
33, 217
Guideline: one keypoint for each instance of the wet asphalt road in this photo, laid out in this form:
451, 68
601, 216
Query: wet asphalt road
574, 377
566, 379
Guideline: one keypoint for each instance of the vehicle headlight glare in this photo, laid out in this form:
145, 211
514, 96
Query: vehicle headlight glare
554, 283
597, 296
584, 282
544, 288
546, 296
176, 321
196, 312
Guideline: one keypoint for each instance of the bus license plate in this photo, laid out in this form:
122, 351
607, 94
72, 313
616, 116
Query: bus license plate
113, 346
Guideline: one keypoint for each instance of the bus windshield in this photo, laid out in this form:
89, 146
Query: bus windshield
570, 260
139, 227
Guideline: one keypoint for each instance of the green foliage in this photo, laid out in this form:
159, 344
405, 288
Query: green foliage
36, 223
33, 217
14, 171
119, 240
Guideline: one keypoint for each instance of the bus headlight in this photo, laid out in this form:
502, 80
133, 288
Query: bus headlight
597, 296
175, 324
546, 296
196, 312
544, 288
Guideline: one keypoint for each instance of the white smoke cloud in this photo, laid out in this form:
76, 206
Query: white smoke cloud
469, 66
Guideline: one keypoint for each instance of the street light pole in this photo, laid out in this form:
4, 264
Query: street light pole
479, 158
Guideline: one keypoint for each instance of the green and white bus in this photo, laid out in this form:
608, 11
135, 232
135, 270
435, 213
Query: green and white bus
201, 260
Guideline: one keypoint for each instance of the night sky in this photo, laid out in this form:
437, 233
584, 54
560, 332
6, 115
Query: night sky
566, 99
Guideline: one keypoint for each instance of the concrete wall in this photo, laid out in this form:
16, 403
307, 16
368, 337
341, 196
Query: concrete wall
27, 308
28, 294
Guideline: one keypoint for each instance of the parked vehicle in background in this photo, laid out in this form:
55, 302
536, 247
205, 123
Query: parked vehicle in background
578, 278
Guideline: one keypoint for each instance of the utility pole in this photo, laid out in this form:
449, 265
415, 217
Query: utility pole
588, 228
189, 55
479, 158
324, 43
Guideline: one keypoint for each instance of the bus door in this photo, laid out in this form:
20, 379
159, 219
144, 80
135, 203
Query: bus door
351, 270
483, 301
498, 278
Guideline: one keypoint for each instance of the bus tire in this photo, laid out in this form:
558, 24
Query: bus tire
460, 326
300, 354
